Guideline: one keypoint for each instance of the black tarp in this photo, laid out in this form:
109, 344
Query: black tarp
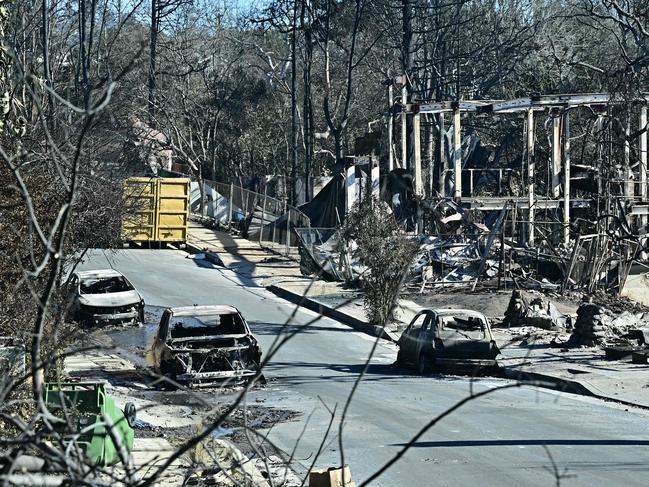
327, 208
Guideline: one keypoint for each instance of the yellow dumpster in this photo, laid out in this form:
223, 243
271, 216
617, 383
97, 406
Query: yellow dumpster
157, 210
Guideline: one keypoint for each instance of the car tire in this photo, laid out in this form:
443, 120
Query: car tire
130, 414
424, 365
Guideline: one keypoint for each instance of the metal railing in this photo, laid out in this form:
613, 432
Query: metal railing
258, 217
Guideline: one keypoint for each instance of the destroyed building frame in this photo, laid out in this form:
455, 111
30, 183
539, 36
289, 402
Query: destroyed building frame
622, 198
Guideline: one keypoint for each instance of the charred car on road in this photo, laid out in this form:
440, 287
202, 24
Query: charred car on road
443, 338
104, 297
203, 345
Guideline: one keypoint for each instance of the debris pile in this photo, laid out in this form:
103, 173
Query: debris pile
444, 260
526, 310
597, 325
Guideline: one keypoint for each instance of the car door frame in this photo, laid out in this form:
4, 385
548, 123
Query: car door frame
160, 341
424, 339
410, 343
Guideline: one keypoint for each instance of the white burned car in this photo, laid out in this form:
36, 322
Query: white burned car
104, 297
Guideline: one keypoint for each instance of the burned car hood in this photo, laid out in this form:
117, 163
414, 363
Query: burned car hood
110, 299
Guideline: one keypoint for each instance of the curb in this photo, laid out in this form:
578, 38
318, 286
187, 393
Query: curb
565, 385
554, 383
329, 312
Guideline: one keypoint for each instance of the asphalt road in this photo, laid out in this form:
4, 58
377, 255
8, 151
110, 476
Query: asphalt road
496, 440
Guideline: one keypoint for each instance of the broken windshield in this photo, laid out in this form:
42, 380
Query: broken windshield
101, 285
207, 325
465, 326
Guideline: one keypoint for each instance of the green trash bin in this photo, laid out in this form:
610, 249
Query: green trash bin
84, 404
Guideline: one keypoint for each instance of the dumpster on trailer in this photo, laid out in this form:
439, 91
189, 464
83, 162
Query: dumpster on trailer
158, 210
84, 404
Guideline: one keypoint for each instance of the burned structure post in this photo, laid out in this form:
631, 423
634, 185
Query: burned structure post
530, 176
457, 153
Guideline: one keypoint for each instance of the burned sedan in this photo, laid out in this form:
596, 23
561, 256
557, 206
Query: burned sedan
104, 297
448, 337
202, 345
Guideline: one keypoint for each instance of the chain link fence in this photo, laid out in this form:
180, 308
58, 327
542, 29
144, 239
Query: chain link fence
257, 217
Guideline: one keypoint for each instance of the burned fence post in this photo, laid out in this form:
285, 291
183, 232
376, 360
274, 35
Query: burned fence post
230, 207
288, 232
263, 215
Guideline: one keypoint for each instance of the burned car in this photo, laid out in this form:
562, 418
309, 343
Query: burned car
448, 337
202, 345
104, 297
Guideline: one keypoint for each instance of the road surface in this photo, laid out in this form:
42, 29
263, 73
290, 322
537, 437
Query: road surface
496, 440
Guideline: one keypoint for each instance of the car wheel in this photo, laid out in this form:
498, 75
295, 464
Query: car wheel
130, 414
424, 365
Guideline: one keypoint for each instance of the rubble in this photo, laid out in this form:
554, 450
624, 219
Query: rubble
597, 325
535, 311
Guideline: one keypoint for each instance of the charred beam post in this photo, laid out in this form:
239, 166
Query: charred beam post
457, 153
566, 177
441, 156
416, 125
530, 175
556, 151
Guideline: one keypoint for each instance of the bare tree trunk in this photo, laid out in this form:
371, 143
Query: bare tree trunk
152, 62
307, 104
406, 66
294, 195
45, 46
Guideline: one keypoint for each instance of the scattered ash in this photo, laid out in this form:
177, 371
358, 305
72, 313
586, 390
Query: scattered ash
236, 427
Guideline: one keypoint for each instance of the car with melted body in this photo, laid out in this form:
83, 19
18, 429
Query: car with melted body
458, 338
104, 297
199, 346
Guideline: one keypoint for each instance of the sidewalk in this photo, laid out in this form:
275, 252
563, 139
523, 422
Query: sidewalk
578, 370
